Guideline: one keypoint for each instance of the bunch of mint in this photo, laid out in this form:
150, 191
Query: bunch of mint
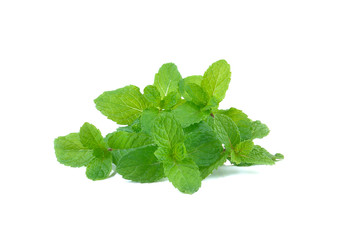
167, 136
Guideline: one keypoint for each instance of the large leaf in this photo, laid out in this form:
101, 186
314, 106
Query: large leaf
123, 105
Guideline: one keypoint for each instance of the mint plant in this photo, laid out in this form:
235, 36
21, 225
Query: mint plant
173, 130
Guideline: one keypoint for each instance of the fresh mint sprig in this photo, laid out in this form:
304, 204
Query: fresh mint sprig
173, 130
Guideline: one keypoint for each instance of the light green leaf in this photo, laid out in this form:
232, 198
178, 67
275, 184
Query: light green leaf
257, 156
196, 94
152, 95
196, 79
216, 79
259, 130
91, 137
184, 175
100, 167
176, 153
125, 142
242, 121
141, 165
167, 131
170, 100
226, 131
167, 78
207, 170
123, 105
202, 145
147, 119
188, 113
70, 151
242, 150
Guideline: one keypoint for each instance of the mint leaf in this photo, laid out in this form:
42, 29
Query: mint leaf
242, 121
91, 137
122, 143
123, 105
152, 95
226, 131
205, 171
147, 119
167, 131
70, 152
196, 94
241, 151
202, 145
167, 78
170, 100
196, 79
216, 80
141, 165
100, 167
188, 113
184, 175
257, 156
259, 130
175, 153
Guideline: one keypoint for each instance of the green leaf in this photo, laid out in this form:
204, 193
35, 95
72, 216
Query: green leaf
91, 137
147, 119
70, 152
196, 94
184, 175
259, 130
188, 113
176, 153
100, 167
242, 121
211, 105
167, 131
167, 78
141, 165
257, 156
196, 79
202, 145
207, 170
170, 100
123, 105
152, 95
216, 79
226, 131
125, 142
242, 150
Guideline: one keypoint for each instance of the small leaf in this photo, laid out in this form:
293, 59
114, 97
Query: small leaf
147, 119
167, 131
227, 131
152, 95
141, 165
184, 175
100, 167
207, 170
123, 105
216, 79
167, 78
91, 137
196, 79
202, 145
170, 100
188, 113
197, 94
259, 130
70, 152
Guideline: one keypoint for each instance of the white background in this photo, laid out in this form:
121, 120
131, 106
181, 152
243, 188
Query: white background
57, 56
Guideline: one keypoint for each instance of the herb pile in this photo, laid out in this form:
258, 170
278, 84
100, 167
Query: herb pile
173, 130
